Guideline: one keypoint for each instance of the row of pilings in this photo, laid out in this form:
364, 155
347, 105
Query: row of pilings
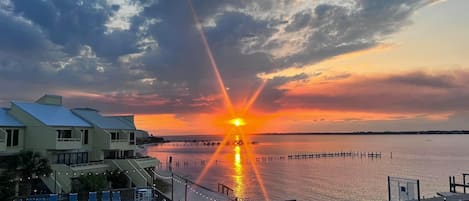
296, 156
335, 155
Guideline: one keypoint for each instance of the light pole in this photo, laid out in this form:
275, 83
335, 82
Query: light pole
185, 191
172, 186
55, 181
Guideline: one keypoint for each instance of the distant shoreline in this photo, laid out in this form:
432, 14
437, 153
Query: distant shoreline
457, 132
453, 132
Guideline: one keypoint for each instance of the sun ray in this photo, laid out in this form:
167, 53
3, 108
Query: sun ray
236, 122
254, 97
213, 63
213, 158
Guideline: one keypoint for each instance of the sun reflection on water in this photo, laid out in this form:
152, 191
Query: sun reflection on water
238, 172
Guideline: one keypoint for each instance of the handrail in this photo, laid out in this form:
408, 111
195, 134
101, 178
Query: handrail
68, 139
87, 164
58, 184
119, 167
119, 140
145, 158
115, 140
138, 170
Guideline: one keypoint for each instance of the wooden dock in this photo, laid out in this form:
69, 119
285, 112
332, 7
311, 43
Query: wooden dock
448, 196
453, 195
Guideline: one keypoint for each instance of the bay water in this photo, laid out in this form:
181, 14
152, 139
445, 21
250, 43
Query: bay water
429, 158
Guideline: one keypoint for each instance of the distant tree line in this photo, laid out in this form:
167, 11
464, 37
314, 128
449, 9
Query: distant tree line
150, 140
431, 132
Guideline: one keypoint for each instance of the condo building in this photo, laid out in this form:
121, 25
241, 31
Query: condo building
76, 141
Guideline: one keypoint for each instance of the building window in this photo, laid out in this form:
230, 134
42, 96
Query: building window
60, 158
85, 136
67, 159
8, 138
114, 135
80, 158
85, 157
64, 134
16, 136
132, 138
72, 158
13, 137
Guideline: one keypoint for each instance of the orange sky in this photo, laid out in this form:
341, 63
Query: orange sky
412, 51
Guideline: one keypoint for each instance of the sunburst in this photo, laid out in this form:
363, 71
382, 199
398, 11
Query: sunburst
236, 121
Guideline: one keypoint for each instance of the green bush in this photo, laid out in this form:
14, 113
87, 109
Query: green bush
92, 182
118, 179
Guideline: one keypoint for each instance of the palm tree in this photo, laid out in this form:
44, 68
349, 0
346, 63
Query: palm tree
7, 187
26, 166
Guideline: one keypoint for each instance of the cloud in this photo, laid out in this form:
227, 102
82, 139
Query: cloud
441, 81
399, 124
19, 38
415, 92
144, 50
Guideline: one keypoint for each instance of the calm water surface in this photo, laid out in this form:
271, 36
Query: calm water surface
430, 158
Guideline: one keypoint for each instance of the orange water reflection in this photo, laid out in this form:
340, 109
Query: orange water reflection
238, 173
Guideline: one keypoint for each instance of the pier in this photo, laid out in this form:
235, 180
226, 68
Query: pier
453, 184
398, 189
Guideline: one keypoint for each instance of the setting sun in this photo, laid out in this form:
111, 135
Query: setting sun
238, 122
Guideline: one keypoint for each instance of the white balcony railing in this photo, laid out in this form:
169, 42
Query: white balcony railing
68, 139
119, 140
86, 164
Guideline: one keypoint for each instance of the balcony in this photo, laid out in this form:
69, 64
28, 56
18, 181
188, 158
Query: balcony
68, 143
147, 162
115, 140
99, 166
119, 144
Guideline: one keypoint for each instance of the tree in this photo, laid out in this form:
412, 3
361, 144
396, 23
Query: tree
92, 182
26, 166
7, 187
118, 179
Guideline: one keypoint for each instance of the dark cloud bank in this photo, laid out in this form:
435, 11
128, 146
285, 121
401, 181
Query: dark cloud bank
159, 65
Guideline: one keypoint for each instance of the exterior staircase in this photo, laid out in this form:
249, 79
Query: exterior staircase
59, 180
138, 176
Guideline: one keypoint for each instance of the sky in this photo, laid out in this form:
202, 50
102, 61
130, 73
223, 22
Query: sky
285, 65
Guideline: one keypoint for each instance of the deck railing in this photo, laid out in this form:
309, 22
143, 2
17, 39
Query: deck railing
68, 139
87, 164
119, 140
